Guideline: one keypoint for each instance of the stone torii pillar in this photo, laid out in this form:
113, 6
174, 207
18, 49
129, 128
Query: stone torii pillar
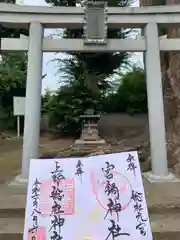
33, 97
155, 108
33, 100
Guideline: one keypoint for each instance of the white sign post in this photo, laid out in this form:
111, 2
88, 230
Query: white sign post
94, 198
18, 126
18, 110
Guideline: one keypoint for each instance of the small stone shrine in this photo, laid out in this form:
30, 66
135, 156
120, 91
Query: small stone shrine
90, 134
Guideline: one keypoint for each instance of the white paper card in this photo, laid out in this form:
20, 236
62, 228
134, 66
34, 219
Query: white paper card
93, 198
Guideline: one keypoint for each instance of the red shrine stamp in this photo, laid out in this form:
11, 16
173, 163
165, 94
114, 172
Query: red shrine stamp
39, 234
124, 187
67, 202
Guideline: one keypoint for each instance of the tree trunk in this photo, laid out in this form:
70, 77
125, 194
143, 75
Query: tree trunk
172, 99
171, 84
91, 80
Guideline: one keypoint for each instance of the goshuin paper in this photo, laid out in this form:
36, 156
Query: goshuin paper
93, 198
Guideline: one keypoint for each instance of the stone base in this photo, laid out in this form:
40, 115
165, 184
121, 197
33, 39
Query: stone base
82, 142
152, 178
19, 181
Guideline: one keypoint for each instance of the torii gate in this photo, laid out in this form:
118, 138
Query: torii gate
38, 18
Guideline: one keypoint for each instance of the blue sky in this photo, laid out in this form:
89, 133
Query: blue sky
52, 80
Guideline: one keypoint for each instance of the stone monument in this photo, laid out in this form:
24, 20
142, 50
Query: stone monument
90, 134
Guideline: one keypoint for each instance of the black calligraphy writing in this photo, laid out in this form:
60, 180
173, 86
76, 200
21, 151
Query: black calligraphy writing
57, 223
115, 231
112, 192
108, 170
35, 198
79, 169
137, 197
131, 164
112, 189
113, 206
57, 174
57, 195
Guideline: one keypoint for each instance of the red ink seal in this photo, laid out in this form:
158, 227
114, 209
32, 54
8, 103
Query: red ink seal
124, 187
39, 234
46, 203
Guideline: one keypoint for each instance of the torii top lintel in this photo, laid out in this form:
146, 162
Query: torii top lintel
73, 17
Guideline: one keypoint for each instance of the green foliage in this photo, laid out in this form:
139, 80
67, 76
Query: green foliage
47, 101
97, 66
12, 83
12, 75
132, 91
73, 72
66, 105
71, 100
12, 71
131, 95
85, 76
12, 32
